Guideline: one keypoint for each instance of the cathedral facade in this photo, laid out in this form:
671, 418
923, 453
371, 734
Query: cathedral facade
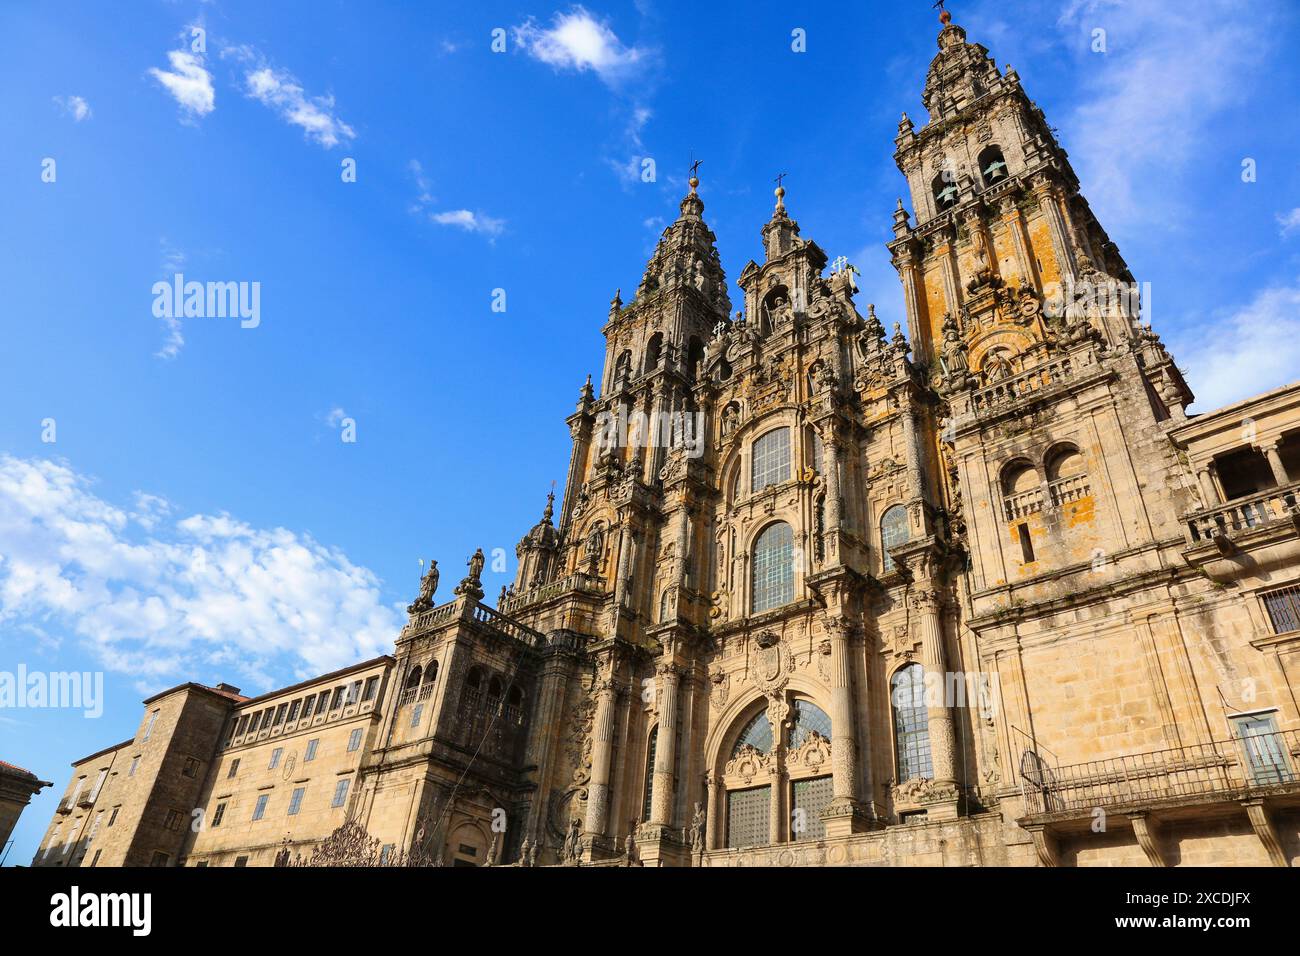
818, 591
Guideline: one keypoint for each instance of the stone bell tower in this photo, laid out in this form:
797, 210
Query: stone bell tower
1052, 396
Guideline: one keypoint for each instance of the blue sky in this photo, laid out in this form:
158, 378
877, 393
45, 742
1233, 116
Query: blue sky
198, 516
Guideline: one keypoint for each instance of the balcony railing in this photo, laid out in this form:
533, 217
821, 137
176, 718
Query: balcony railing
1023, 503
1244, 514
1227, 769
1065, 490
993, 397
578, 581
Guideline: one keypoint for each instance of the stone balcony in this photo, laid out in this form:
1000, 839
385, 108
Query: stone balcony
578, 581
1228, 525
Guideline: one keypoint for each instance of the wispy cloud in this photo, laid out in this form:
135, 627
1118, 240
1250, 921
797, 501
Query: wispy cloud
470, 221
188, 82
74, 106
162, 598
578, 41
1149, 100
1289, 222
173, 261
279, 90
1253, 349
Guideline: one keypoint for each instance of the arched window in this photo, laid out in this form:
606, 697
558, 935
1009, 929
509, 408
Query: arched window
944, 188
431, 673
653, 352
773, 568
652, 745
493, 695
993, 167
664, 605
911, 724
770, 464
413, 678
623, 368
757, 734
1022, 491
514, 711
808, 719
472, 694
1067, 475
694, 356
893, 532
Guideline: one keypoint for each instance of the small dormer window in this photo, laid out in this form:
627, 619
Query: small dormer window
993, 166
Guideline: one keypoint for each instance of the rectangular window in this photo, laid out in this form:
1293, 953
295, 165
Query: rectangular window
748, 817
252, 726
99, 784
337, 702
1266, 757
112, 817
279, 714
241, 726
809, 799
295, 801
135, 762
293, 711
95, 859
773, 568
416, 713
323, 702
340, 793
174, 820
241, 861
354, 692
1026, 544
307, 706
260, 809
275, 758
311, 749
149, 727
191, 768
354, 740
202, 864
159, 858
234, 769
219, 815
372, 688
1283, 606
771, 460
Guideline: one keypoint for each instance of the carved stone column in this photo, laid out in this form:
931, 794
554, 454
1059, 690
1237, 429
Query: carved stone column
1275, 463
601, 752
845, 814
713, 821
661, 794
929, 605
831, 470
1208, 491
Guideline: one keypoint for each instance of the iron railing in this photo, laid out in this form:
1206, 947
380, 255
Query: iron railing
1225, 768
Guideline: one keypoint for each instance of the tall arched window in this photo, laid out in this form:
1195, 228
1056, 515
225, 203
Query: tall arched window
651, 747
944, 188
773, 568
993, 167
893, 532
1022, 492
1067, 475
653, 352
808, 719
664, 605
770, 464
911, 723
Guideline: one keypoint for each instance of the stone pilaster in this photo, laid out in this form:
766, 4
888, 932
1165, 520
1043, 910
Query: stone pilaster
601, 753
661, 795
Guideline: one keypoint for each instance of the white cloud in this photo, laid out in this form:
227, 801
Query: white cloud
1290, 222
74, 106
469, 221
1251, 350
1149, 99
203, 598
281, 91
189, 83
578, 41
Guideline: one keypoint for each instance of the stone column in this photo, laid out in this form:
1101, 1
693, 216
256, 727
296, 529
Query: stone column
1208, 491
831, 471
844, 745
1275, 463
1048, 200
911, 449
601, 752
928, 604
661, 795
713, 821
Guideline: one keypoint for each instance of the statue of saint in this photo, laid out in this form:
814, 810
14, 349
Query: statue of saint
476, 565
697, 829
429, 583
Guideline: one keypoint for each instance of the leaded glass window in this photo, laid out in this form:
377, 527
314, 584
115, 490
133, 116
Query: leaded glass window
893, 532
651, 747
757, 734
773, 568
809, 799
911, 723
808, 719
771, 460
747, 816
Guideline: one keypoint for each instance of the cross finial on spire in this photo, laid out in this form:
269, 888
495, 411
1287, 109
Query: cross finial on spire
944, 15
780, 192
695, 172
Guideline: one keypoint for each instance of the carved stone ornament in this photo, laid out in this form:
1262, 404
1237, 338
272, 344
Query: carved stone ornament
813, 754
748, 764
919, 791
771, 664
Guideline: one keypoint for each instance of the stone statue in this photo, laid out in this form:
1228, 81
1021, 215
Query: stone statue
629, 848
697, 829
476, 565
573, 845
525, 848
954, 349
996, 367
428, 585
533, 851
730, 419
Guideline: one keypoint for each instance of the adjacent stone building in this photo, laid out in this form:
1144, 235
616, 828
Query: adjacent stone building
819, 592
